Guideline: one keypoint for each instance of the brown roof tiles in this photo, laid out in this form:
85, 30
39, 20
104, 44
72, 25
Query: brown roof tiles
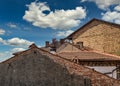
89, 55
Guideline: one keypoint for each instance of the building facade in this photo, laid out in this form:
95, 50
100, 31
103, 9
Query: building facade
98, 35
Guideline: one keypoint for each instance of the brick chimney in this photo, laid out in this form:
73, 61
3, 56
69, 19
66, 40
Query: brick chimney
61, 41
47, 44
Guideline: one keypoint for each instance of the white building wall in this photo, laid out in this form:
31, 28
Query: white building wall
105, 69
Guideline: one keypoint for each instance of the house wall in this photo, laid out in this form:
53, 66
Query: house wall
35, 69
99, 36
105, 69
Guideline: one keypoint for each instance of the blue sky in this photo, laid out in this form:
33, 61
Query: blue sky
35, 21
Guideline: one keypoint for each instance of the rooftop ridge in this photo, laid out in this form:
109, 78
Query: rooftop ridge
106, 54
90, 56
69, 36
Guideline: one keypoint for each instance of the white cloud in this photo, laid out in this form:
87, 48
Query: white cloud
104, 4
58, 19
17, 49
16, 42
64, 33
39, 46
117, 8
112, 16
4, 55
2, 32
2, 41
11, 25
7, 54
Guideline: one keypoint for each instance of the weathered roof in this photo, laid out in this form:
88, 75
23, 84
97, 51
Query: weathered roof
46, 48
90, 56
73, 68
67, 47
94, 19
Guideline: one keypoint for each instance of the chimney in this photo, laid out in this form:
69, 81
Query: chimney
61, 41
47, 44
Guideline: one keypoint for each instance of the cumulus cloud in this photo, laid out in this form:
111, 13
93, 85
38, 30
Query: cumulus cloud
64, 33
117, 8
58, 19
16, 42
2, 32
17, 49
2, 41
104, 4
7, 54
11, 25
112, 16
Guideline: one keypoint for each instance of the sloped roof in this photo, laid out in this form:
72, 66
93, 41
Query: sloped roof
90, 56
46, 48
94, 19
67, 47
82, 55
96, 77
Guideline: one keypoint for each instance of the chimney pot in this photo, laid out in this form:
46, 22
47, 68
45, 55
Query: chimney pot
47, 44
61, 41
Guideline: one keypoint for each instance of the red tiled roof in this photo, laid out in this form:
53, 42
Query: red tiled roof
89, 55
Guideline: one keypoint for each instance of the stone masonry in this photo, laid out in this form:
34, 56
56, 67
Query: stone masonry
99, 35
35, 69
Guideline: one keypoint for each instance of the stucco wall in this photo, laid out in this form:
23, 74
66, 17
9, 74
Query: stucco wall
105, 69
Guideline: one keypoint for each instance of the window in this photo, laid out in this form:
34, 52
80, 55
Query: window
118, 73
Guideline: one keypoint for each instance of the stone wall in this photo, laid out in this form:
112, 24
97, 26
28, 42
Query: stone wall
35, 69
100, 36
66, 47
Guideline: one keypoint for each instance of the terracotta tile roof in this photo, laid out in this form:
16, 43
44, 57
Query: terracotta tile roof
89, 55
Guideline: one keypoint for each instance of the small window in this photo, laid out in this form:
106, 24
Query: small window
118, 73
80, 43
